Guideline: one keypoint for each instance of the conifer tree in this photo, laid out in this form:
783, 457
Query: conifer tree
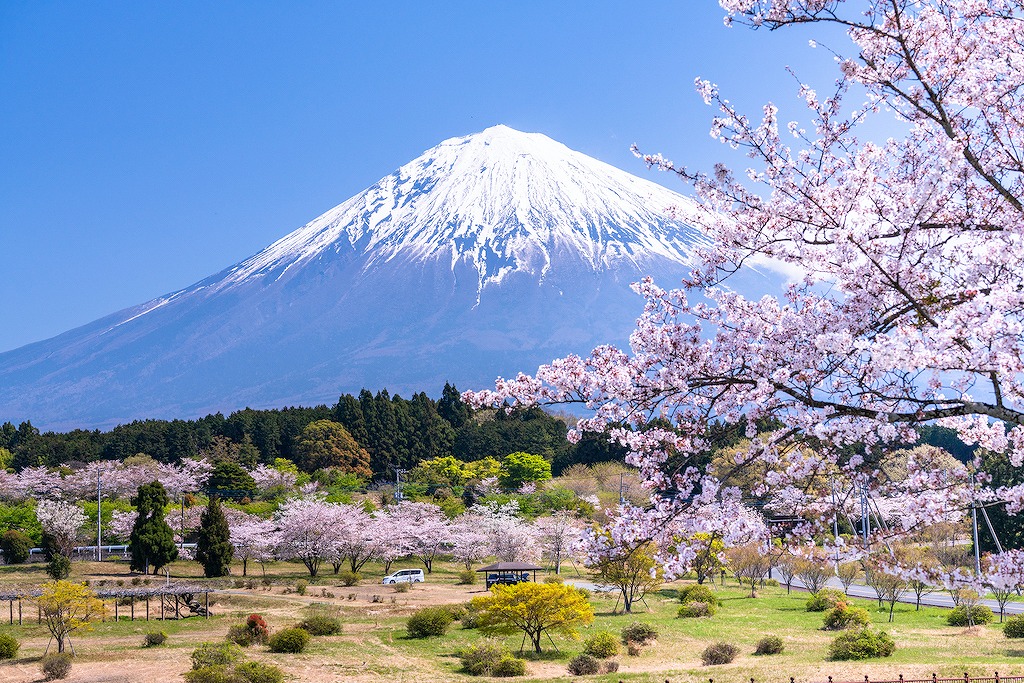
152, 541
213, 547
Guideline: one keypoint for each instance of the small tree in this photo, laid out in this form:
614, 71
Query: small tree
534, 609
213, 547
67, 607
15, 546
635, 574
813, 573
709, 547
521, 468
324, 444
152, 540
786, 566
748, 562
847, 573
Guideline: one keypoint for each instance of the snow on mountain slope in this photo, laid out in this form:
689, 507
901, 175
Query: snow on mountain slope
487, 255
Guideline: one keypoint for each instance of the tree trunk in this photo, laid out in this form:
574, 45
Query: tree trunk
245, 565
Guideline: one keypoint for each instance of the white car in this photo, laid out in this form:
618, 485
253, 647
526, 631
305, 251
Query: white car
405, 576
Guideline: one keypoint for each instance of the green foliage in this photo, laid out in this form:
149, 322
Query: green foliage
865, 643
533, 609
321, 625
964, 616
154, 639
56, 665
520, 468
301, 586
22, 516
481, 659
428, 622
696, 610
467, 577
291, 640
1008, 528
15, 546
215, 654
844, 616
1014, 627
769, 645
326, 444
8, 646
697, 593
213, 547
350, 578
239, 635
58, 568
602, 645
639, 632
152, 541
230, 480
584, 665
508, 667
208, 674
719, 653
256, 672
825, 599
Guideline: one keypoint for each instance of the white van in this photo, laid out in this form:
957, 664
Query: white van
405, 576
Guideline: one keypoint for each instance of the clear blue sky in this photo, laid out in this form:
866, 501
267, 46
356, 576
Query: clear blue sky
145, 145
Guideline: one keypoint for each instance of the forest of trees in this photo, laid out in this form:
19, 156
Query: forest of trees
395, 432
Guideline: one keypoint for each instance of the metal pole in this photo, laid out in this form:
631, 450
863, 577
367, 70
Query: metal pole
622, 495
835, 519
974, 524
864, 513
99, 515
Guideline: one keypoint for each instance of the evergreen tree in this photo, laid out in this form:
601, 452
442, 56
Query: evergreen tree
324, 444
349, 412
213, 547
230, 480
451, 406
152, 541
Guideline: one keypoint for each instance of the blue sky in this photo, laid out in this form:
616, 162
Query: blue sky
147, 145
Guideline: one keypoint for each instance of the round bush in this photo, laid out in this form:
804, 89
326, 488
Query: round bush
467, 577
863, 644
321, 625
209, 674
56, 665
350, 578
427, 622
215, 654
825, 599
639, 632
509, 666
695, 610
239, 635
300, 586
256, 672
15, 546
769, 645
961, 616
8, 646
584, 665
609, 667
697, 593
471, 617
257, 627
292, 640
154, 638
403, 587
58, 568
843, 616
602, 645
481, 659
719, 653
1014, 627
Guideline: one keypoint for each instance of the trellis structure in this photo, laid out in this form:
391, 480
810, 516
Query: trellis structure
172, 601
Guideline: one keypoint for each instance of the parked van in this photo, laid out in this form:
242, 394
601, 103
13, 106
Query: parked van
405, 576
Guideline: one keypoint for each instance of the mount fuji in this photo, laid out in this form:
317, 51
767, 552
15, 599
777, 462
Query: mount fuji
487, 255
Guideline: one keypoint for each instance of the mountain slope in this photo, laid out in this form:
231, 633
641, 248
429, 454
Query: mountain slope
486, 255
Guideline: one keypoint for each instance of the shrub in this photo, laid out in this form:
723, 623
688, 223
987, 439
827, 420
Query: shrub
863, 644
458, 612
825, 599
509, 666
639, 632
719, 653
553, 578
1014, 627
691, 610
15, 546
769, 645
239, 635
467, 577
292, 640
154, 638
697, 593
844, 616
602, 645
979, 614
258, 628
609, 667
215, 654
349, 578
403, 587
471, 618
56, 665
300, 586
9, 646
481, 659
208, 674
584, 665
256, 672
321, 625
633, 649
429, 621
59, 568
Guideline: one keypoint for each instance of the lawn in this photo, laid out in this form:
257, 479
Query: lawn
374, 645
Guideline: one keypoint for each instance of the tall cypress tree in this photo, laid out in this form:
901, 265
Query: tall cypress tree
152, 541
213, 547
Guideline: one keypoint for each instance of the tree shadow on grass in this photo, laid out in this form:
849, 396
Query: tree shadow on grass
1015, 653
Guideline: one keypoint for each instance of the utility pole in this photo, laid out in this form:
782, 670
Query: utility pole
398, 483
835, 518
622, 490
99, 515
974, 524
864, 522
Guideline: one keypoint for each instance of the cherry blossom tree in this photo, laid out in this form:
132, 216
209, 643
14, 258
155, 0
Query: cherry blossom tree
306, 529
61, 521
511, 538
424, 528
910, 262
470, 539
253, 539
557, 536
